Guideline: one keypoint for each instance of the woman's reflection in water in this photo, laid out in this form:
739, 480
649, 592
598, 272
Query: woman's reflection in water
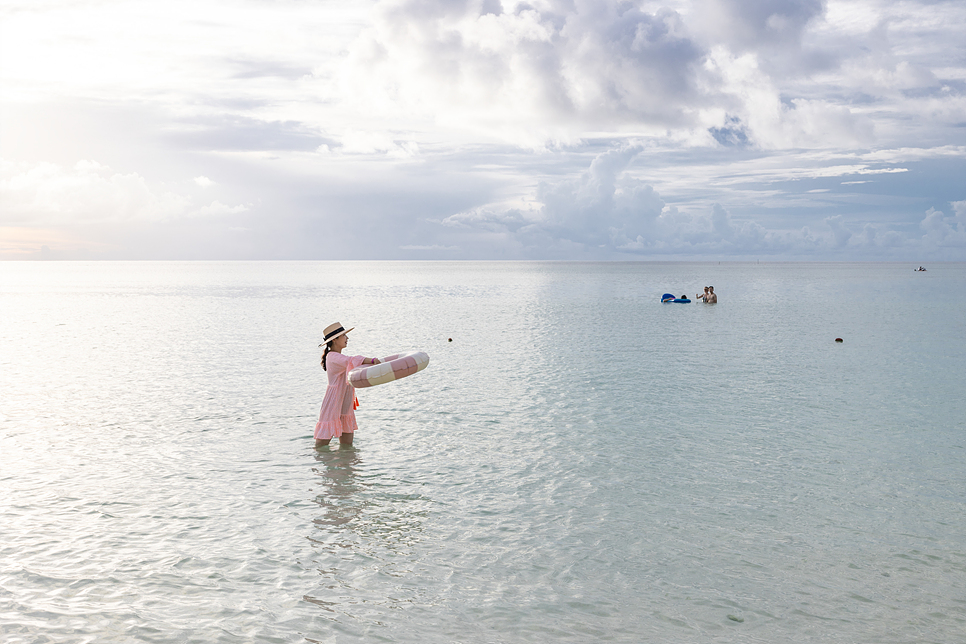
366, 534
340, 488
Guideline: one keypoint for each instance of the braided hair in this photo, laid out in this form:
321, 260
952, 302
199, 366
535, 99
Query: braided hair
328, 347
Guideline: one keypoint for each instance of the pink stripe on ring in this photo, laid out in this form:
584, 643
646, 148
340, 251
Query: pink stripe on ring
400, 365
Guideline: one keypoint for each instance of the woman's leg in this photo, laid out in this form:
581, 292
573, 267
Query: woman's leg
344, 439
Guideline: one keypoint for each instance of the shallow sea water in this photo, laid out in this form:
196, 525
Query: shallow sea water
581, 463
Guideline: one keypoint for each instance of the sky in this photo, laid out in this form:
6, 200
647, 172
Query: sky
772, 130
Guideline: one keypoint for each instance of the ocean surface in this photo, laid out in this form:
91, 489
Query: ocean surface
580, 463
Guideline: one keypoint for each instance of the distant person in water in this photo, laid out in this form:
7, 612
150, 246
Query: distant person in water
712, 298
338, 417
702, 296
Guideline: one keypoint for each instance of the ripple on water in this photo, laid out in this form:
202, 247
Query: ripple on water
608, 469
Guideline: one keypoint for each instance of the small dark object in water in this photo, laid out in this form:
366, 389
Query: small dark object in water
839, 340
451, 339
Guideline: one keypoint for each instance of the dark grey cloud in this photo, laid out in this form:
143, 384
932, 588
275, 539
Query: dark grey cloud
569, 62
749, 25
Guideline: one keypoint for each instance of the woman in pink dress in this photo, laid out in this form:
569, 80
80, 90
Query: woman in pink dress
338, 416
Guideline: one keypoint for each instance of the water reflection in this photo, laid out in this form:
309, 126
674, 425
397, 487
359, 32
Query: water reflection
366, 534
339, 478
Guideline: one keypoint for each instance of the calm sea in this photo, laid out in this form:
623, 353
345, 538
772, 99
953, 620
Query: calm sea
580, 463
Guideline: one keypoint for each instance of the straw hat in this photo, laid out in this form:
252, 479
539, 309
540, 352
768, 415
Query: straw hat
333, 331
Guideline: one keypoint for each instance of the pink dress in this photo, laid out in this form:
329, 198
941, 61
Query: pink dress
338, 414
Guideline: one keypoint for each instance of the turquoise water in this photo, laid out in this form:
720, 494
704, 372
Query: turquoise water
581, 463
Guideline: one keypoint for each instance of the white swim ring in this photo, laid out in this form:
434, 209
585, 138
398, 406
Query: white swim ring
389, 368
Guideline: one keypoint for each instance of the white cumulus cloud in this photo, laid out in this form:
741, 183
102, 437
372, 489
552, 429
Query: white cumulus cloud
606, 211
944, 231
216, 208
47, 194
88, 192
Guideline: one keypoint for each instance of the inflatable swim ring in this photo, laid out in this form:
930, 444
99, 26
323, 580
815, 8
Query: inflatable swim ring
390, 368
669, 297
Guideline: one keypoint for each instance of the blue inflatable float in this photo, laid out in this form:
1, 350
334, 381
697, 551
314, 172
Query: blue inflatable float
668, 298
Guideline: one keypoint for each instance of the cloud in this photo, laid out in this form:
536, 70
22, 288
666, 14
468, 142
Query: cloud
943, 231
257, 68
430, 247
216, 208
372, 142
603, 207
905, 154
756, 112
46, 194
751, 25
558, 70
36, 243
600, 209
840, 234
231, 132
803, 171
590, 129
606, 211
535, 70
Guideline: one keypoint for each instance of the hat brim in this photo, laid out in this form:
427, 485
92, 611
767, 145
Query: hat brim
337, 335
